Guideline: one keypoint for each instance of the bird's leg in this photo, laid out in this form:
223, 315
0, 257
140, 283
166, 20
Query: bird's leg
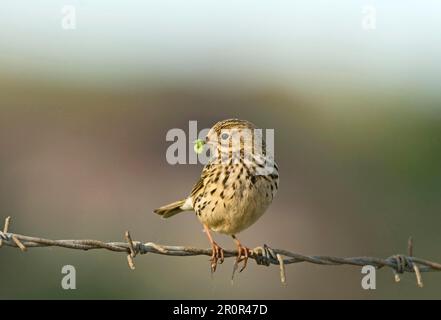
218, 252
243, 253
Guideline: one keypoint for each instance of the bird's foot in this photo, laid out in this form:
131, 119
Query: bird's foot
243, 253
217, 256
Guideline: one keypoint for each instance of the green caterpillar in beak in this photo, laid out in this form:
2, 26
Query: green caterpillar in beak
199, 146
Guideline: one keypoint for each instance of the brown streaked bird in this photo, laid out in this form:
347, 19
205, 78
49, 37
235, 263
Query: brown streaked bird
235, 188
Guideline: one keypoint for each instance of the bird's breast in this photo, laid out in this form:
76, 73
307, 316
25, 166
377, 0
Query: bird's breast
234, 197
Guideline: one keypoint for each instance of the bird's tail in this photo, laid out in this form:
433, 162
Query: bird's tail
171, 209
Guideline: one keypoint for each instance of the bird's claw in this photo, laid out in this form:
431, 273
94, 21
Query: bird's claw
243, 253
217, 257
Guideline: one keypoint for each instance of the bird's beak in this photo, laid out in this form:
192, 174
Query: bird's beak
209, 143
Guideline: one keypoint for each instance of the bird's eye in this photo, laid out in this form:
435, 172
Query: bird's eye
225, 136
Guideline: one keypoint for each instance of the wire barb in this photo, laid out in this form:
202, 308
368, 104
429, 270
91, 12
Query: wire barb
282, 269
132, 251
262, 255
19, 243
416, 269
5, 229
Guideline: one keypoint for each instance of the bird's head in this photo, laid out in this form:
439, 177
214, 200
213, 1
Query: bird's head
234, 138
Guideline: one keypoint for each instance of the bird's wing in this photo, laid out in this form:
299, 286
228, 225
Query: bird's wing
200, 185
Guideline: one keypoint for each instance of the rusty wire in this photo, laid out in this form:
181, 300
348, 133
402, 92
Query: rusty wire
265, 255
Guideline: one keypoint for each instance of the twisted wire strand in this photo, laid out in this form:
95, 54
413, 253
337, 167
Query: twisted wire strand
265, 255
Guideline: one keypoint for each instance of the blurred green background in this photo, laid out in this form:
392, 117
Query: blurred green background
84, 114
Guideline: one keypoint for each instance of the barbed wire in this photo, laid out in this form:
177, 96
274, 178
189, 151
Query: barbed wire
399, 263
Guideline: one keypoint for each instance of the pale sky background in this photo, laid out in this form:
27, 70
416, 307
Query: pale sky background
119, 43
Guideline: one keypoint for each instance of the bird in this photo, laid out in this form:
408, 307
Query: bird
236, 186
